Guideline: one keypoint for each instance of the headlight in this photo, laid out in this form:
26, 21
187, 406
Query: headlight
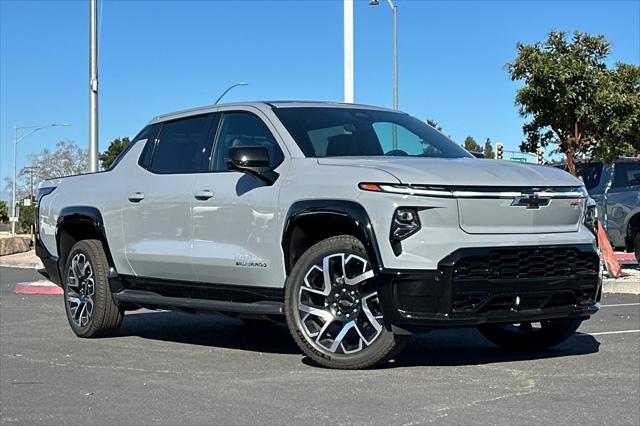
405, 223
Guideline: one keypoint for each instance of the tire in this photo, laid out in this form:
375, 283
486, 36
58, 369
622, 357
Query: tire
318, 312
525, 337
637, 246
90, 309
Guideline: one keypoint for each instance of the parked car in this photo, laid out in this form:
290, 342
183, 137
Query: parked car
359, 225
616, 189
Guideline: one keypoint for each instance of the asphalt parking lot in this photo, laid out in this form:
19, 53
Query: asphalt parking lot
173, 368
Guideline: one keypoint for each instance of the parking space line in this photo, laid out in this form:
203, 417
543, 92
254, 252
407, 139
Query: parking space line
619, 304
601, 333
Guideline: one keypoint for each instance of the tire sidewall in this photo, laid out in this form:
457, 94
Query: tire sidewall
100, 281
341, 244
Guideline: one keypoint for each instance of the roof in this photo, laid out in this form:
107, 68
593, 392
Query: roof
263, 104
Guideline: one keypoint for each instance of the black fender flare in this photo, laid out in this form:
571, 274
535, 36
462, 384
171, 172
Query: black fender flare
343, 210
86, 216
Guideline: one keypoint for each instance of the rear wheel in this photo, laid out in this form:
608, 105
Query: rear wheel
333, 310
529, 336
637, 246
90, 308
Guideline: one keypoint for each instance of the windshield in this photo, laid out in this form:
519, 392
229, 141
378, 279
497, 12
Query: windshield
590, 174
344, 132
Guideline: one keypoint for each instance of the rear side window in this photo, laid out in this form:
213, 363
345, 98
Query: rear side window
244, 129
184, 146
626, 174
148, 132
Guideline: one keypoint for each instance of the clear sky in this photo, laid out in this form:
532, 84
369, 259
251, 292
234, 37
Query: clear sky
161, 56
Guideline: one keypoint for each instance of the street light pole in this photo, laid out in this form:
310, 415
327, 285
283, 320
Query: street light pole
394, 9
13, 186
93, 86
227, 91
395, 54
348, 52
15, 165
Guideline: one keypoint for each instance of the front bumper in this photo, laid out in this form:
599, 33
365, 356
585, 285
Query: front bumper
476, 286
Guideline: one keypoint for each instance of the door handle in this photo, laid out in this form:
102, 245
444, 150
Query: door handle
136, 197
203, 195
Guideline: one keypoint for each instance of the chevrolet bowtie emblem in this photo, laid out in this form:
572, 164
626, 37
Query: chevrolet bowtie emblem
530, 201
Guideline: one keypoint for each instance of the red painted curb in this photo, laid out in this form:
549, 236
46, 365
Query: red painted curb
41, 287
625, 256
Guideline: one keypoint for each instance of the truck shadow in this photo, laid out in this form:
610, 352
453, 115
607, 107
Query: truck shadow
458, 347
208, 330
467, 346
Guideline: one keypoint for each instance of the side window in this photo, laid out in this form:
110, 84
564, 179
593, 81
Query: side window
144, 134
184, 146
244, 129
150, 133
626, 174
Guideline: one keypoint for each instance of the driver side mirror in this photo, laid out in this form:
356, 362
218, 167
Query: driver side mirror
253, 160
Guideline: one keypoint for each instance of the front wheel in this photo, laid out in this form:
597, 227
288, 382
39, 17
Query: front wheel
637, 246
333, 310
528, 336
90, 308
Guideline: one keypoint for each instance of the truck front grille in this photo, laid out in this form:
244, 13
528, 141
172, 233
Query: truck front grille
524, 263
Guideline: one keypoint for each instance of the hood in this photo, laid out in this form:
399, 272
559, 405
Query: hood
460, 171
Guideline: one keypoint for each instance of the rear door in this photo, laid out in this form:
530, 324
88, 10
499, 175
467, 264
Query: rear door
157, 203
623, 197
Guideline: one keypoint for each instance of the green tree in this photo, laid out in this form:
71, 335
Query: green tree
488, 150
434, 124
115, 148
4, 212
471, 145
26, 217
572, 98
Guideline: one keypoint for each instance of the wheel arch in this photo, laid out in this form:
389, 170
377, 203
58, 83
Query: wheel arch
633, 227
76, 223
311, 221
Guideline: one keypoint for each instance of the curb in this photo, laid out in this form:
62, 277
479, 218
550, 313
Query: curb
38, 287
21, 265
625, 257
617, 286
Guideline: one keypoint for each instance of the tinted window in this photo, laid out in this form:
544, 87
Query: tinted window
150, 133
339, 132
147, 132
184, 146
590, 173
627, 174
244, 129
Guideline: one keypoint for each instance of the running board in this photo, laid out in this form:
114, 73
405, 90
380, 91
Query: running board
147, 298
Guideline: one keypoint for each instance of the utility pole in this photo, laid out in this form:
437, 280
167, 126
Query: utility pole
93, 85
348, 52
31, 170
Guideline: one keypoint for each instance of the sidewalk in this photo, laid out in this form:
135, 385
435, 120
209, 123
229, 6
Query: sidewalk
27, 260
629, 283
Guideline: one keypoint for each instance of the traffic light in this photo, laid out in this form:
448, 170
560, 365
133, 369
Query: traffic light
539, 156
499, 151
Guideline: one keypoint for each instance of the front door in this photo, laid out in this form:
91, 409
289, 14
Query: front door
157, 204
235, 224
